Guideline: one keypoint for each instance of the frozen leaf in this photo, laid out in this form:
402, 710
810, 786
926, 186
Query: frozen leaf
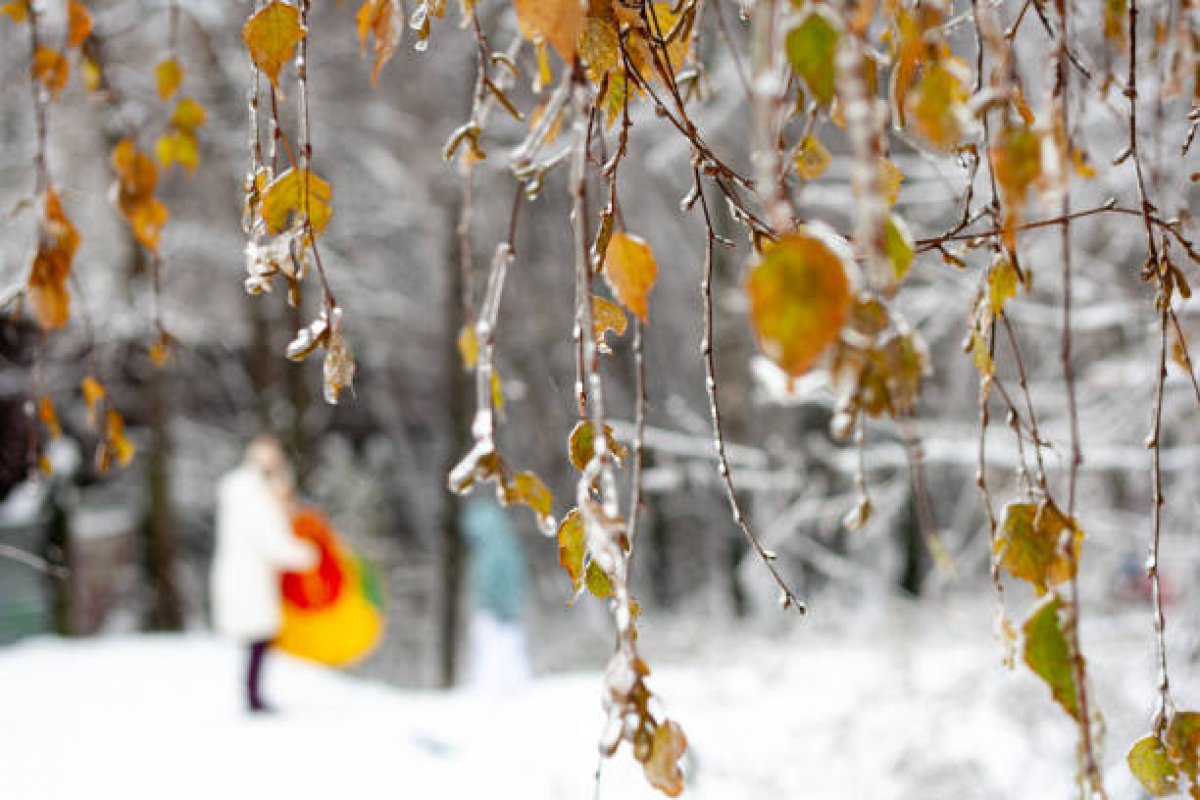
982, 356
630, 269
168, 75
51, 69
93, 394
271, 34
667, 747
812, 158
1030, 544
599, 47
890, 178
1002, 284
812, 51
898, 246
49, 417
297, 194
309, 338
468, 346
607, 317
529, 490
799, 297
481, 463
79, 23
571, 548
581, 445
1115, 14
1183, 742
338, 366
380, 19
1150, 764
1049, 655
559, 22
597, 581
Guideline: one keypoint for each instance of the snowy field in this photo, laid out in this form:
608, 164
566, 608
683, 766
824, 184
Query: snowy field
907, 704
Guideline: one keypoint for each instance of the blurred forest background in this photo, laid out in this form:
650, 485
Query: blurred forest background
138, 541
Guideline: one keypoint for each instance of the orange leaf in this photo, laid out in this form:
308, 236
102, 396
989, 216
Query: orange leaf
79, 23
16, 10
630, 269
93, 393
49, 417
136, 178
667, 747
799, 297
51, 69
271, 34
559, 22
380, 18
48, 296
168, 75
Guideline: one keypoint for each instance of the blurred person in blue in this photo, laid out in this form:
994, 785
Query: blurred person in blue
255, 545
498, 658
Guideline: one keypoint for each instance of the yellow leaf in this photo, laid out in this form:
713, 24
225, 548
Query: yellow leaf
468, 346
599, 47
812, 158
168, 75
177, 148
117, 444
1002, 283
299, 194
890, 178
271, 35
51, 69
79, 23
898, 245
529, 490
799, 297
936, 103
381, 19
559, 22
188, 115
607, 317
1030, 544
581, 445
93, 393
93, 75
630, 269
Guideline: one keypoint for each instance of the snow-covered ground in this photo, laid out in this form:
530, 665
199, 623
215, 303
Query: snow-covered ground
908, 705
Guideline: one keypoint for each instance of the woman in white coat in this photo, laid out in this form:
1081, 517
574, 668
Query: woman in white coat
255, 544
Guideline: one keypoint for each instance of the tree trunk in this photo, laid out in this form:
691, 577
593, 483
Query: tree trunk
166, 605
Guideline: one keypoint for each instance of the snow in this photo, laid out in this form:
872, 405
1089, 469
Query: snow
912, 705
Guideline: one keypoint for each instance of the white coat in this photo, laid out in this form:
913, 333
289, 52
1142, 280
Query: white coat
255, 543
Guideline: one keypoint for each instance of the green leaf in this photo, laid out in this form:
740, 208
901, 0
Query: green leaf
1150, 764
1049, 655
597, 581
1183, 741
812, 50
581, 445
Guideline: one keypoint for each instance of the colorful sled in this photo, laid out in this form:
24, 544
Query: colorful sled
333, 613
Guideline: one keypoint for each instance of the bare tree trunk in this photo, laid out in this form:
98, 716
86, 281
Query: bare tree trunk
166, 607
